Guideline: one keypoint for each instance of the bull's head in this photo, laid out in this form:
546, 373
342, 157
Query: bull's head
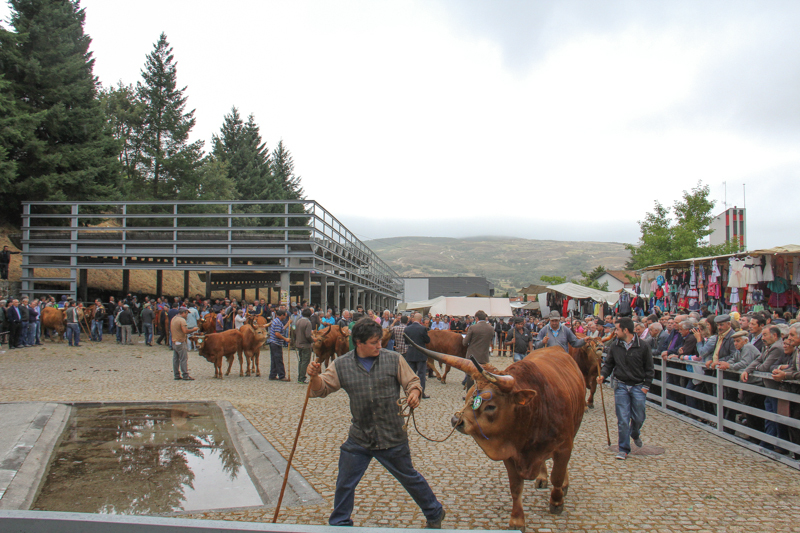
198, 340
496, 406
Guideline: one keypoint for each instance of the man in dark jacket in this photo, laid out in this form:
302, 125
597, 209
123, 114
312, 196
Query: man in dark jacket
417, 360
5, 259
631, 361
97, 321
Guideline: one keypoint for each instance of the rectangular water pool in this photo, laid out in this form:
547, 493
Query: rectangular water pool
146, 459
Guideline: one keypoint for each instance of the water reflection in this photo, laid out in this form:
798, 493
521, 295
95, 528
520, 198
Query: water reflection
146, 459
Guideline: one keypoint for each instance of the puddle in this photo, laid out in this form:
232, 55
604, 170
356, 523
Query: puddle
146, 459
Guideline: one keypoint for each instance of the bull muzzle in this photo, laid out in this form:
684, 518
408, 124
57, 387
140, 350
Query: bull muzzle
458, 423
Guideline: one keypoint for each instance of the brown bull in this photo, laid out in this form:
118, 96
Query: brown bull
448, 342
54, 318
524, 416
253, 338
587, 357
330, 342
219, 346
208, 324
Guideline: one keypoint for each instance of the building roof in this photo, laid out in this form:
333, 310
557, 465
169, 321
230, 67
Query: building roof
621, 275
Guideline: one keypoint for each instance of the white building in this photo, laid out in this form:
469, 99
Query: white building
617, 279
729, 226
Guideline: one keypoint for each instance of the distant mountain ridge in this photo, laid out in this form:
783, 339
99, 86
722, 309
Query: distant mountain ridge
509, 262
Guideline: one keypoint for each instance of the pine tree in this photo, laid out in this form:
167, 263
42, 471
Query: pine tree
125, 115
62, 148
166, 159
288, 184
240, 146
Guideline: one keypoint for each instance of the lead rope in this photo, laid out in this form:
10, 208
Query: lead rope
402, 403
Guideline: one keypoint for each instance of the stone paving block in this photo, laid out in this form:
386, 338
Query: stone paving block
700, 482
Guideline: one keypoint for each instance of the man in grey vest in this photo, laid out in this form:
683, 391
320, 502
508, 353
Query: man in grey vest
303, 342
372, 378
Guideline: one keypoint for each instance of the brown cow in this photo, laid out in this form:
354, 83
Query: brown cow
587, 358
523, 416
330, 342
208, 324
253, 338
86, 319
217, 346
54, 318
445, 341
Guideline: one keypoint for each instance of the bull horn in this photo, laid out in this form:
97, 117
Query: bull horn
457, 362
505, 383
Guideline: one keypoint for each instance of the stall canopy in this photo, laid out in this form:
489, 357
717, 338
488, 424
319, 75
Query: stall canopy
460, 306
525, 305
533, 289
579, 292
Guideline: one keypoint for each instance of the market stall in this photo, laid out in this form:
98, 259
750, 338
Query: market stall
746, 281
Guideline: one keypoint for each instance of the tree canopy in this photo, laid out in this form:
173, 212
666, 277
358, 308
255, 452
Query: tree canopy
664, 238
64, 137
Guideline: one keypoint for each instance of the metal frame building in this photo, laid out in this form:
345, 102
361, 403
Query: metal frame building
285, 245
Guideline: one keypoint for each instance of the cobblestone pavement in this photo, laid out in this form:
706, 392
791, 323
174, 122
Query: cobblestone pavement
701, 483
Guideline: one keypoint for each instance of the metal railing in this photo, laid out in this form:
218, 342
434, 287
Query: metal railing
276, 236
715, 411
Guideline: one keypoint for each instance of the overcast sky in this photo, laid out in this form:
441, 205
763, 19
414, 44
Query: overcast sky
544, 120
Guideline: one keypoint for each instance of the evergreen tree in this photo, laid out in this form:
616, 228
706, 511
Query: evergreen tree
166, 159
125, 115
59, 142
288, 185
240, 146
9, 135
283, 172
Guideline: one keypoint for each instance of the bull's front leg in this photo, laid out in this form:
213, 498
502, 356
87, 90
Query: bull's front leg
444, 375
218, 368
560, 479
241, 372
230, 364
516, 483
432, 367
256, 357
248, 357
592, 390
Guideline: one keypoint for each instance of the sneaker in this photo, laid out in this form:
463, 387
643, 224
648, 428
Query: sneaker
177, 379
638, 442
436, 524
621, 456
188, 378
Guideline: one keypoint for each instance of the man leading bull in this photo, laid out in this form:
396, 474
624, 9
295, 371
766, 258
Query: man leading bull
554, 334
372, 378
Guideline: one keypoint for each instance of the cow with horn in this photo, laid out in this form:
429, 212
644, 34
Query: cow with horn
524, 415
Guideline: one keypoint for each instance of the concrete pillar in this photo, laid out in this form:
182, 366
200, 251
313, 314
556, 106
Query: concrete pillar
257, 296
337, 295
126, 282
160, 282
323, 293
347, 303
185, 284
307, 287
285, 286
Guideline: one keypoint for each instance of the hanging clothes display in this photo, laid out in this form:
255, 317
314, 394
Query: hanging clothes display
736, 273
796, 271
768, 275
750, 269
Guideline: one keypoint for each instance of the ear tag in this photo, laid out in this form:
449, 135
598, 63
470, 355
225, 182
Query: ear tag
476, 403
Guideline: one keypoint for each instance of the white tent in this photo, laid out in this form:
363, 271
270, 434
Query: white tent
460, 306
579, 292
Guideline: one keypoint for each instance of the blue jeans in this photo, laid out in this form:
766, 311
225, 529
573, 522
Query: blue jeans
97, 330
518, 356
148, 333
23, 334
74, 334
112, 327
32, 333
353, 462
630, 405
390, 346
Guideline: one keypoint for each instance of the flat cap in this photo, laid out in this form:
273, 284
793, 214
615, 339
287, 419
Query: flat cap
740, 333
554, 314
722, 318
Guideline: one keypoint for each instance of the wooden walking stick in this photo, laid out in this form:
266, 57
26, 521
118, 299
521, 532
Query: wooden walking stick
291, 454
603, 401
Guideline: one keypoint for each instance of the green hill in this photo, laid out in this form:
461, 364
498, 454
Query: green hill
510, 263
